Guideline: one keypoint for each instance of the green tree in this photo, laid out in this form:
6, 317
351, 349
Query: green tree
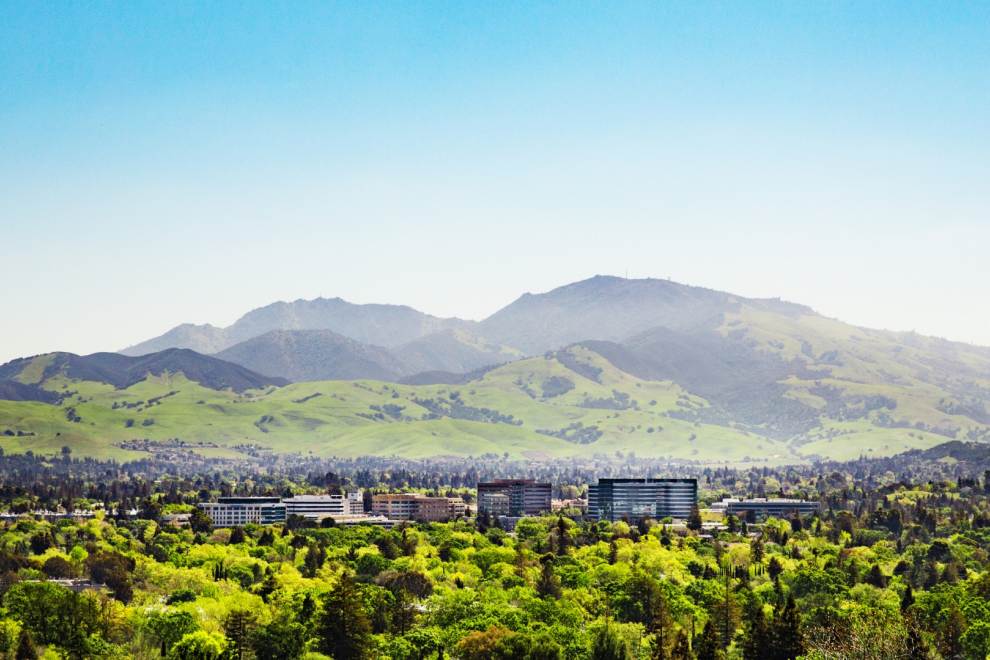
199, 645
168, 626
279, 640
113, 570
25, 646
562, 535
9, 632
343, 628
975, 641
694, 520
237, 629
757, 644
950, 634
786, 633
916, 647
199, 521
58, 567
548, 586
709, 646
682, 647
608, 645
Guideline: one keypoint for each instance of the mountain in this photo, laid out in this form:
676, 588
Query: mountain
301, 355
378, 325
570, 403
612, 309
203, 339
649, 366
456, 351
123, 371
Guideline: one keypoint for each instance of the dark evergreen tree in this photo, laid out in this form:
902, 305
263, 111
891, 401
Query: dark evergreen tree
907, 600
708, 646
757, 642
548, 586
694, 520
279, 640
786, 633
343, 628
25, 646
607, 645
237, 629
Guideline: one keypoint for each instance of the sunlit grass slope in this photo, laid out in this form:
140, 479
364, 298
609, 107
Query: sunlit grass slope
536, 408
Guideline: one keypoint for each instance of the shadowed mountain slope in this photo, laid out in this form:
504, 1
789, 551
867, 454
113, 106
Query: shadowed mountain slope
122, 371
455, 351
301, 355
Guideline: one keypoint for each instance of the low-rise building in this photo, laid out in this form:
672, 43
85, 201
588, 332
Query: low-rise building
238, 511
314, 506
359, 519
761, 508
415, 506
574, 503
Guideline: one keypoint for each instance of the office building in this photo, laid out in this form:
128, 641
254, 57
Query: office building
514, 497
761, 508
359, 519
634, 499
314, 506
414, 506
238, 511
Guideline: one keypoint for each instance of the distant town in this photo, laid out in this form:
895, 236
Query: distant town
501, 503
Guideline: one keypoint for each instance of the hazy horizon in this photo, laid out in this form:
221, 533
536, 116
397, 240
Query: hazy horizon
174, 163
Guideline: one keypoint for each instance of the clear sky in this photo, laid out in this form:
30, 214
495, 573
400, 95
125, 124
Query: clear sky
168, 162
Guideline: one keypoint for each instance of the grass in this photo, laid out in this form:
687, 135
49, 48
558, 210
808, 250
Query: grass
343, 418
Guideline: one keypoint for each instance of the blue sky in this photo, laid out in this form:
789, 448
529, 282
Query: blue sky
169, 162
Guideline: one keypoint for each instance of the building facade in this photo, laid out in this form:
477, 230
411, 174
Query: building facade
761, 508
238, 511
414, 506
315, 506
514, 497
634, 499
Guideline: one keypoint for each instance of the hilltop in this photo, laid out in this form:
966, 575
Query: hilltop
598, 366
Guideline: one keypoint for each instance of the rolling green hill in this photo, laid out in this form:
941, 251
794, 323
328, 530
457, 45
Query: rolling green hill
596, 367
566, 403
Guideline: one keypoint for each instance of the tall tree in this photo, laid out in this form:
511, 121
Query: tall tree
709, 646
786, 632
343, 628
694, 520
757, 644
237, 628
608, 645
548, 586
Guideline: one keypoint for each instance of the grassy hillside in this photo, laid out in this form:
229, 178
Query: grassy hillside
859, 379
567, 403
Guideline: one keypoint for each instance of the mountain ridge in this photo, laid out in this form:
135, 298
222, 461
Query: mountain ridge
572, 365
122, 371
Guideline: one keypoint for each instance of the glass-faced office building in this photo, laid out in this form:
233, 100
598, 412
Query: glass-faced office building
514, 497
761, 508
635, 499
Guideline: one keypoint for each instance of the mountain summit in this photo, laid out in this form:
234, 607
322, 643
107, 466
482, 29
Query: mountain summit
602, 365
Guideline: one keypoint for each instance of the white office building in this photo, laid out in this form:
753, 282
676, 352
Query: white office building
317, 506
238, 511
